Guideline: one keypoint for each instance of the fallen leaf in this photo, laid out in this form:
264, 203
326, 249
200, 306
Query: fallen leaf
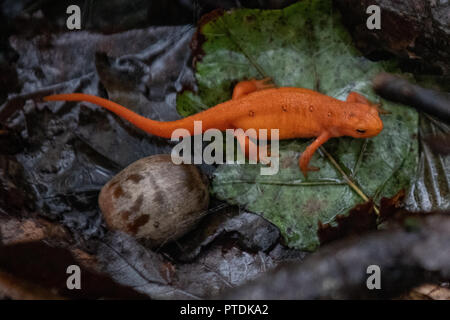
304, 45
251, 232
359, 220
428, 291
37, 270
20, 230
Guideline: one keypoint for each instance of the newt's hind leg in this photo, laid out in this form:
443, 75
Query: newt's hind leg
309, 152
249, 148
245, 87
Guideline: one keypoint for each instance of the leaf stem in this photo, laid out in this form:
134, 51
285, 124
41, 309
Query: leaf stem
348, 180
360, 157
285, 183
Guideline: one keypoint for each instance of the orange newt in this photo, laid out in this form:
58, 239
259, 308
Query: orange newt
257, 104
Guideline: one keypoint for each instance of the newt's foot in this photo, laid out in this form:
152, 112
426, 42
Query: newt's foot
245, 87
263, 84
303, 163
356, 97
265, 161
306, 170
380, 109
260, 159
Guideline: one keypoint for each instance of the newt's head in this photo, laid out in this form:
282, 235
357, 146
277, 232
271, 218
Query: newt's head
361, 121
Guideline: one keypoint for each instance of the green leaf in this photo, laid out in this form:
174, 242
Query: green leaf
304, 45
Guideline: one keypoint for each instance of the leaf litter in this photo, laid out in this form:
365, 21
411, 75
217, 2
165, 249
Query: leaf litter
55, 160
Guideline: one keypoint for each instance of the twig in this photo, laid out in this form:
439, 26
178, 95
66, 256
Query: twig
348, 180
407, 257
400, 90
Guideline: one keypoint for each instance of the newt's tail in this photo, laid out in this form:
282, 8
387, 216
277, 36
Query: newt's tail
158, 128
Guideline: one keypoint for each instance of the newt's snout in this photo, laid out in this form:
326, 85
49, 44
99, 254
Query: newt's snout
371, 126
362, 121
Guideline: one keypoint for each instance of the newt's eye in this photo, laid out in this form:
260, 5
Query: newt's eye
360, 131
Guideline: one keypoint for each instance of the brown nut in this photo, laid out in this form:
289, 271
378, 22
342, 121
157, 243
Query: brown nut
155, 199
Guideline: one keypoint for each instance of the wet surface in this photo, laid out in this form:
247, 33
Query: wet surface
55, 157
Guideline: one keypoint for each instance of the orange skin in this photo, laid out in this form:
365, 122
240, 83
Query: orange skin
257, 104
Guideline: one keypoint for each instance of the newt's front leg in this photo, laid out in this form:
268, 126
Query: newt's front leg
356, 97
309, 151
